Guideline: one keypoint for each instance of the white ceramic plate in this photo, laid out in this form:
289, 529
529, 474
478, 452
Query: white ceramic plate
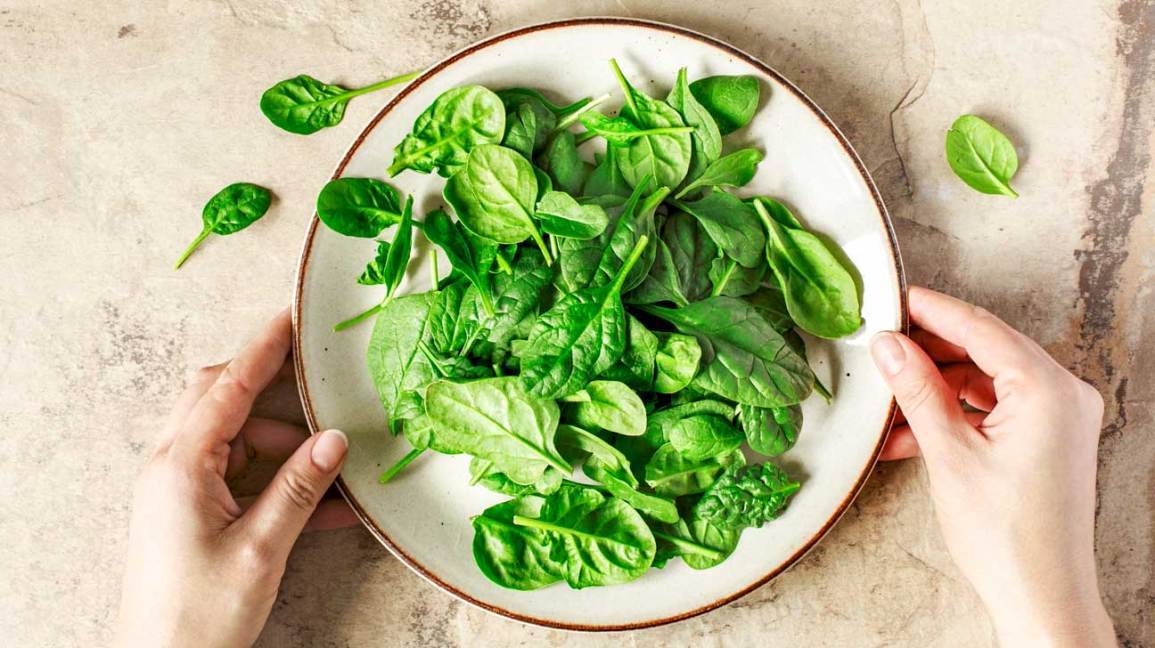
423, 515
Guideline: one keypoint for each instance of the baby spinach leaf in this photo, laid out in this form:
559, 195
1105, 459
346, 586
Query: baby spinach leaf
732, 100
732, 170
821, 296
771, 305
581, 259
672, 475
777, 211
399, 371
692, 252
745, 359
707, 140
704, 436
707, 533
520, 129
731, 223
633, 226
677, 362
746, 497
770, 431
482, 473
660, 423
981, 156
606, 179
230, 210
619, 131
360, 207
561, 215
662, 284
608, 405
513, 556
636, 368
563, 163
374, 273
665, 157
443, 136
604, 540
494, 196
677, 540
397, 258
580, 337
609, 467
496, 420
469, 255
304, 105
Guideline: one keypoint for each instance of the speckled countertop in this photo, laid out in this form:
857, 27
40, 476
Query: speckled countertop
118, 119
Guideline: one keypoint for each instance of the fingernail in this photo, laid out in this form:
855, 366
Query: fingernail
329, 449
888, 353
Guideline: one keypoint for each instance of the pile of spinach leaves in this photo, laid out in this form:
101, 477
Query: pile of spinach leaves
630, 316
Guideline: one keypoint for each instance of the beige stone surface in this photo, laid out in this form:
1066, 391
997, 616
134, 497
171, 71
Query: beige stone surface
118, 119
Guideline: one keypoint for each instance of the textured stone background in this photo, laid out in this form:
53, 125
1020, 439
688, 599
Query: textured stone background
118, 119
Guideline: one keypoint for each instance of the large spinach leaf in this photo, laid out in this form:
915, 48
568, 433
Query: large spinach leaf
820, 293
494, 195
443, 136
664, 157
496, 420
580, 337
746, 497
745, 359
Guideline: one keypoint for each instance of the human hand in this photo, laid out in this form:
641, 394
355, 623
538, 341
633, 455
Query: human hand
1013, 483
203, 567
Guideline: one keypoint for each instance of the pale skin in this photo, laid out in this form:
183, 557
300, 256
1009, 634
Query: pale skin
1012, 480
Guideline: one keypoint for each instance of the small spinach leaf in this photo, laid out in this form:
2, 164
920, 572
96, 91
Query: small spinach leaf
704, 436
230, 210
608, 405
665, 157
561, 215
374, 273
746, 497
982, 156
770, 431
563, 163
707, 140
304, 105
820, 293
732, 100
471, 256
732, 224
361, 207
732, 170
677, 362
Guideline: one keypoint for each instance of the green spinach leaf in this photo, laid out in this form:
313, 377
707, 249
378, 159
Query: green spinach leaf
665, 157
230, 210
443, 136
304, 105
677, 362
399, 371
608, 405
704, 436
981, 156
732, 224
745, 359
821, 296
513, 556
770, 431
561, 215
494, 195
732, 100
361, 207
707, 140
636, 368
563, 163
496, 420
580, 337
374, 273
732, 170
746, 497
471, 256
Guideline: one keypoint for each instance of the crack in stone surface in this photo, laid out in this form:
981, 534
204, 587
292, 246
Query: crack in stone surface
1115, 205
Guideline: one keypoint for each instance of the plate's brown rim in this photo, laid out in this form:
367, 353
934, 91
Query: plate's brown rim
892, 241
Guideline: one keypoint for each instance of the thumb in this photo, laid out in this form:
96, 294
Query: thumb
281, 511
933, 412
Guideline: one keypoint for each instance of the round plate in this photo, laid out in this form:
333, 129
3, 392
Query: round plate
423, 515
